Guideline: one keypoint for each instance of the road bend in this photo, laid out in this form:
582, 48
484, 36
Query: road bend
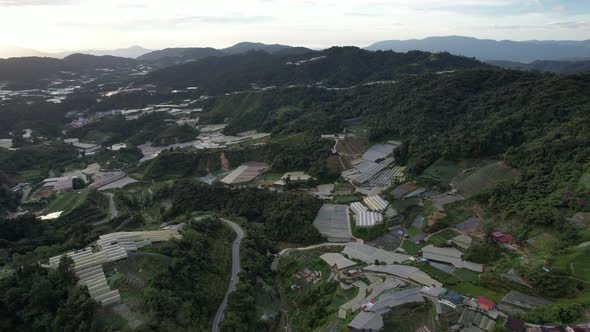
235, 269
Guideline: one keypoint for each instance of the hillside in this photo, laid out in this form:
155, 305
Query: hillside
534, 122
244, 47
334, 67
560, 67
178, 55
37, 68
487, 49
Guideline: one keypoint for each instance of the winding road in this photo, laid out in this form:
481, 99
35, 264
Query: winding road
113, 212
235, 269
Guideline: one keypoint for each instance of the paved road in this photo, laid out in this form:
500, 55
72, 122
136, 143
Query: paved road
113, 212
235, 269
315, 246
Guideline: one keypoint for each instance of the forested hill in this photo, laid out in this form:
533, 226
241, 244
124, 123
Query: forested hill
562, 67
334, 67
176, 55
536, 122
36, 68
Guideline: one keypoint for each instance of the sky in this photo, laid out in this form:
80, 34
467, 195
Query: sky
60, 25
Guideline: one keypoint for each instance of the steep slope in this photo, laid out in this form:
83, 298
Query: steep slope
337, 66
486, 49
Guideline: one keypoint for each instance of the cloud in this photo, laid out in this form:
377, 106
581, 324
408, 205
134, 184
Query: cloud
23, 3
235, 19
568, 25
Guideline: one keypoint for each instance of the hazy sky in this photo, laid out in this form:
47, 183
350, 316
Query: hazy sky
56, 25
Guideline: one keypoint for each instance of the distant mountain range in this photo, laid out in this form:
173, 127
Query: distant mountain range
482, 49
180, 55
487, 49
129, 52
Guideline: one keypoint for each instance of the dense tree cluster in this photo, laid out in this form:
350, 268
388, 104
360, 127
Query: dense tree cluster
286, 216
33, 298
186, 295
40, 156
241, 310
26, 239
153, 128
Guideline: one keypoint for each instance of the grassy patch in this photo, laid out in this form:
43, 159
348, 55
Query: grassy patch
585, 234
485, 177
342, 296
31, 175
408, 210
442, 237
411, 247
66, 201
473, 290
585, 180
440, 173
370, 233
270, 176
577, 260
456, 212
466, 275
446, 278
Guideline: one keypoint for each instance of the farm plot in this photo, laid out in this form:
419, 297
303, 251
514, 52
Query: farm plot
484, 178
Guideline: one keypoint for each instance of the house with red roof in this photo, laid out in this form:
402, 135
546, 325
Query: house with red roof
503, 238
485, 303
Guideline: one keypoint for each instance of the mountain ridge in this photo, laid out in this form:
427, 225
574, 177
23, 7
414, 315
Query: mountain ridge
489, 49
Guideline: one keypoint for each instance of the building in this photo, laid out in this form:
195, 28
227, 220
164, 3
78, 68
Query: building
368, 219
102, 179
332, 221
395, 299
402, 190
450, 255
516, 302
370, 255
485, 303
293, 177
110, 248
405, 272
451, 299
118, 146
376, 203
245, 173
363, 217
337, 260
55, 185
366, 322
462, 241
500, 237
